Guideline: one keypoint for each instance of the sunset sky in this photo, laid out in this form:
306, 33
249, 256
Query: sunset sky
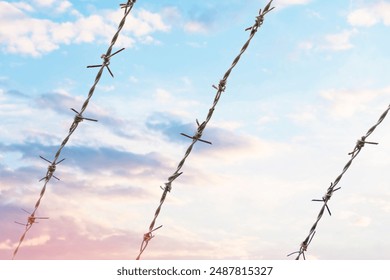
314, 80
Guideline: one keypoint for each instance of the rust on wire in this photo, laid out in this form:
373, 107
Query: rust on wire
325, 199
77, 119
220, 89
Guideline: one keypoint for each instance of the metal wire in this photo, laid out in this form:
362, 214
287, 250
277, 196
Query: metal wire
198, 134
325, 199
77, 119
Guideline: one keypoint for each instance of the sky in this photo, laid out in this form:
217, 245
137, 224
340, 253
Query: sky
312, 82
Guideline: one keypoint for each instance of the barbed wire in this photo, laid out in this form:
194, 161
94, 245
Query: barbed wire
77, 119
332, 188
201, 127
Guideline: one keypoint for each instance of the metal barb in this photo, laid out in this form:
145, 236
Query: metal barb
78, 118
174, 177
128, 5
31, 219
221, 86
197, 137
50, 169
359, 145
149, 235
106, 61
168, 187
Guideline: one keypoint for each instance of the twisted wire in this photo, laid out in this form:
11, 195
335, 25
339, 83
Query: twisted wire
77, 119
198, 134
325, 199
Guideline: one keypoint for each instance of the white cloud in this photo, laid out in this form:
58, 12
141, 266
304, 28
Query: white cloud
23, 6
37, 241
371, 15
163, 96
345, 103
106, 88
305, 115
195, 27
141, 23
133, 79
58, 6
22, 34
362, 17
171, 14
63, 6
44, 3
339, 41
306, 45
355, 219
285, 3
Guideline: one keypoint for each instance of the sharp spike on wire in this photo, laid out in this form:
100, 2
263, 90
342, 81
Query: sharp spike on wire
128, 7
45, 159
359, 145
221, 88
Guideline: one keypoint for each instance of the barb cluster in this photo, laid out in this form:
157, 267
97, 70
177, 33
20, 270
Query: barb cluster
77, 119
201, 127
359, 145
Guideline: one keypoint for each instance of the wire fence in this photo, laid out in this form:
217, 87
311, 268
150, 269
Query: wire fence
201, 127
77, 119
220, 88
332, 188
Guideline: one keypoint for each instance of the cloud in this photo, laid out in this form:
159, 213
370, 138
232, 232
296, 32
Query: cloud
58, 6
163, 96
346, 103
339, 41
229, 146
305, 115
119, 162
355, 219
201, 19
44, 3
370, 15
93, 159
170, 126
195, 27
306, 45
59, 101
68, 238
23, 6
285, 3
335, 42
24, 34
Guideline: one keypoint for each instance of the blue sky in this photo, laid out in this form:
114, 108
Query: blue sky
312, 82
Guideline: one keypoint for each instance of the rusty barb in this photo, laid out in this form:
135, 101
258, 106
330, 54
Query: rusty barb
77, 119
31, 219
50, 169
325, 199
147, 237
201, 127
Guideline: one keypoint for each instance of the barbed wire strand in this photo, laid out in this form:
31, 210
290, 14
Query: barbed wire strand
332, 188
198, 134
77, 119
